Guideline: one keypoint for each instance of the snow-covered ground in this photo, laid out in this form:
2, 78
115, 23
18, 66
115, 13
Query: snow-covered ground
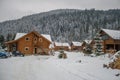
52, 68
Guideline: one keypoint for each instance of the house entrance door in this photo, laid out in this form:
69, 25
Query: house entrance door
35, 50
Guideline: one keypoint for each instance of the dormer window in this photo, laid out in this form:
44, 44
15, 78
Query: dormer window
27, 38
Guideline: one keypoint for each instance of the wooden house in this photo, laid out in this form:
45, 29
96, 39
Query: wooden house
76, 46
61, 46
111, 40
30, 43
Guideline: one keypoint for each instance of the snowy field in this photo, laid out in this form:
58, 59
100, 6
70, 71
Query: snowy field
52, 68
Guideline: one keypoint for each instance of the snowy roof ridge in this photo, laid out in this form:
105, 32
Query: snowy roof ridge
47, 36
19, 35
61, 44
88, 41
75, 43
115, 34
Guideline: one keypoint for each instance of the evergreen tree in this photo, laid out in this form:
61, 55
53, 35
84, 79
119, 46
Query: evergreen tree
9, 37
98, 44
63, 23
1, 38
2, 41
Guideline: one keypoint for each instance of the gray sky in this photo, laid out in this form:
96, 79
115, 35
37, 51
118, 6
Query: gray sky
14, 9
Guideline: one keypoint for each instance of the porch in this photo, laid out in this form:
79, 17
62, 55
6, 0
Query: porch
111, 48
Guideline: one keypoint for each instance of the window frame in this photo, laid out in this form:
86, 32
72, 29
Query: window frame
26, 48
27, 38
40, 39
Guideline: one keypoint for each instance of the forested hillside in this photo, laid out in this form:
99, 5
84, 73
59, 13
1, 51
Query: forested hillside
64, 24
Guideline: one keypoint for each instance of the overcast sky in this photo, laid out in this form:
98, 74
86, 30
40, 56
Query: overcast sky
13, 9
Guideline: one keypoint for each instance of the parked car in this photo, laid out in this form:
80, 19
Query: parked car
17, 53
4, 55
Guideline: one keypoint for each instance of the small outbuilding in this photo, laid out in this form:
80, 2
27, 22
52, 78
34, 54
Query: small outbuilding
76, 46
61, 46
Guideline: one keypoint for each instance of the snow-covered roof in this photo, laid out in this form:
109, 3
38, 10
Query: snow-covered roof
61, 44
88, 41
19, 35
76, 43
115, 34
48, 37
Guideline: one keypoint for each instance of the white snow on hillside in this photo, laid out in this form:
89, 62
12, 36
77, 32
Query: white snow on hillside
52, 68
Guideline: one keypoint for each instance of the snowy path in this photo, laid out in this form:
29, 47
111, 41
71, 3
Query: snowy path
52, 68
32, 69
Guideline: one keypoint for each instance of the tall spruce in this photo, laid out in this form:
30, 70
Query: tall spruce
2, 41
98, 44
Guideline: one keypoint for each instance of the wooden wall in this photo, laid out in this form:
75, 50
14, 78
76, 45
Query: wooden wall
22, 43
35, 41
56, 48
79, 48
109, 41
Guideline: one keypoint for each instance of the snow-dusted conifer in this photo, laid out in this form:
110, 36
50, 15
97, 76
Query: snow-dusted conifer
98, 44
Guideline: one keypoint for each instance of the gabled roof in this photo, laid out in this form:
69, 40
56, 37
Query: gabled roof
20, 35
115, 34
77, 43
88, 41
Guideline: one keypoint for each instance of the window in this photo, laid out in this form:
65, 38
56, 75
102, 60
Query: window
26, 48
27, 38
40, 39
